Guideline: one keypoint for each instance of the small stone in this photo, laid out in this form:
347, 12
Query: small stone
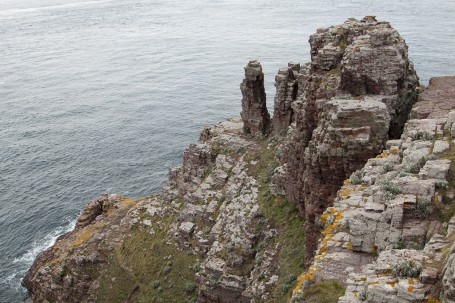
429, 276
187, 228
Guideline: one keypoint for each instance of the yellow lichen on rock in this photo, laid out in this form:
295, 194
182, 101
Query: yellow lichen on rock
432, 299
384, 154
298, 287
84, 236
394, 150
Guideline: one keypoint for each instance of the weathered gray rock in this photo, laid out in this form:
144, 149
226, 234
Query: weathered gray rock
448, 280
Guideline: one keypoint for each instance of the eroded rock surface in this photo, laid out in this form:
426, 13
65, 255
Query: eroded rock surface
335, 113
227, 226
388, 236
214, 234
436, 100
256, 119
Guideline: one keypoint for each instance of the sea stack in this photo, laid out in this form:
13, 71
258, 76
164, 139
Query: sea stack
254, 113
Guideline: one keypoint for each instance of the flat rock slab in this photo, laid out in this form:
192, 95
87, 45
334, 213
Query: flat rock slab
440, 146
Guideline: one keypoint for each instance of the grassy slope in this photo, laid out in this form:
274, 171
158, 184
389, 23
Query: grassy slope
284, 215
136, 271
446, 210
147, 269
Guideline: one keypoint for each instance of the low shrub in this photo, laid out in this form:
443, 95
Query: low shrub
407, 269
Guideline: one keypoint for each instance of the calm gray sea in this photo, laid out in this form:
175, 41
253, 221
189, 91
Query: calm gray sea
103, 96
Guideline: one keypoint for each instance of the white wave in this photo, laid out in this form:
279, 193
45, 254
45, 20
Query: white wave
44, 243
12, 280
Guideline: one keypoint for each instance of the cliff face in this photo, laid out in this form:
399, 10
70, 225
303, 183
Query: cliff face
356, 92
238, 220
256, 119
389, 235
214, 234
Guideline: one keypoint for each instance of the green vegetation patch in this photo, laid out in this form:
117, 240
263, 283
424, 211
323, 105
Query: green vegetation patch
284, 215
445, 209
147, 269
323, 292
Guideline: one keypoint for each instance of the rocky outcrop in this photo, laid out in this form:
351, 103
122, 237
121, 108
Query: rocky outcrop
214, 234
227, 226
388, 235
338, 122
69, 270
256, 119
436, 100
286, 93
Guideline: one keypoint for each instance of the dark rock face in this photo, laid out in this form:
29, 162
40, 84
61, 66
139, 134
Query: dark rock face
93, 209
286, 92
364, 63
256, 119
436, 100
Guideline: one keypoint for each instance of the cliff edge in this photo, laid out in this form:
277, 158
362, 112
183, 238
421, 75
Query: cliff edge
240, 220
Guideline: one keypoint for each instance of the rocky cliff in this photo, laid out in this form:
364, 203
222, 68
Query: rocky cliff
389, 235
241, 219
356, 92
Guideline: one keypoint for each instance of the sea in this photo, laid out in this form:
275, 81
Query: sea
104, 95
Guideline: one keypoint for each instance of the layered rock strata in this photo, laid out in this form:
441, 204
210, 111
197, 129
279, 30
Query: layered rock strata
389, 235
256, 119
214, 234
331, 106
226, 228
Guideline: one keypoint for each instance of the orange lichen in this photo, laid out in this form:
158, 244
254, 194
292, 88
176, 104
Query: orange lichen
384, 154
410, 281
349, 246
373, 283
394, 150
411, 288
324, 218
84, 236
432, 299
298, 287
346, 191
338, 216
391, 283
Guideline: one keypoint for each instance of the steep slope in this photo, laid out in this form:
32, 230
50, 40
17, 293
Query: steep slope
390, 232
238, 220
334, 108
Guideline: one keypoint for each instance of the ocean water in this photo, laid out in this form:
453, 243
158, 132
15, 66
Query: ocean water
104, 95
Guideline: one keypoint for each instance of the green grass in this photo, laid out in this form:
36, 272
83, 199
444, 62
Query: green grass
142, 271
446, 210
139, 270
286, 218
323, 292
